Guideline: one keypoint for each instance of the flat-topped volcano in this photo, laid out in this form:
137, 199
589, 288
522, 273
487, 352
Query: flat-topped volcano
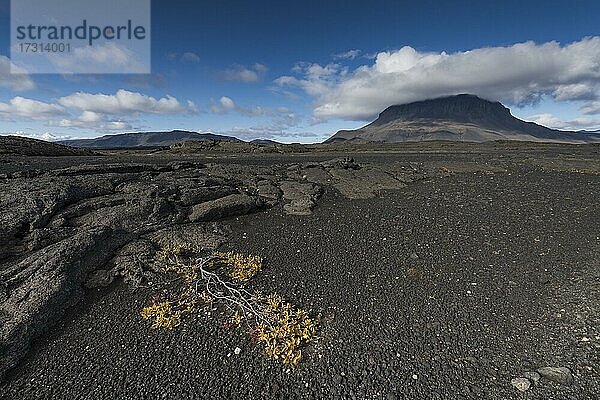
462, 117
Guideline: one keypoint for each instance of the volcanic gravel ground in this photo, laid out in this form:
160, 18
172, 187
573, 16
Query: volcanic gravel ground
446, 289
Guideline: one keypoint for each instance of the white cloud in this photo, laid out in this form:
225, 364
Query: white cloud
348, 55
126, 103
96, 122
576, 91
117, 125
14, 77
20, 107
318, 80
516, 74
190, 57
244, 74
260, 68
226, 104
286, 119
277, 123
90, 116
216, 109
145, 81
109, 57
92, 121
590, 108
548, 120
47, 136
577, 124
280, 91
265, 132
98, 112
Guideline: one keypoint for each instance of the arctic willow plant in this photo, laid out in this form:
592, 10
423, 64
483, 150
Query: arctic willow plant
279, 327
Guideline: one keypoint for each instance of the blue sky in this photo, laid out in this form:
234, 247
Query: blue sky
299, 71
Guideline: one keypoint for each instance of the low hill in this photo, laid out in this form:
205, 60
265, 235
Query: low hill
32, 147
146, 139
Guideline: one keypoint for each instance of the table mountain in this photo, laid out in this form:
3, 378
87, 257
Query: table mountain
462, 117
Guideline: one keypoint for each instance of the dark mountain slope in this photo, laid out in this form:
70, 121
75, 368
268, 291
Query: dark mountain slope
463, 118
146, 139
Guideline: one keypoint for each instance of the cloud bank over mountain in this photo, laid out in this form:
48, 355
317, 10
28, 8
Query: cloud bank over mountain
517, 74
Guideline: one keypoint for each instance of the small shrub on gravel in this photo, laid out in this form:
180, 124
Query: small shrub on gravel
279, 327
241, 268
168, 314
289, 328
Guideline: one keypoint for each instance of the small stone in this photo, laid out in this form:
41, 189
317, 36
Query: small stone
415, 376
522, 384
237, 351
302, 206
560, 375
414, 256
532, 376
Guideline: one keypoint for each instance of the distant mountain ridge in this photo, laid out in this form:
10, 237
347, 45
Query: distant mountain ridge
462, 117
145, 139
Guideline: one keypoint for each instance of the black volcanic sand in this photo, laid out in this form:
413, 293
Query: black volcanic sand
446, 289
